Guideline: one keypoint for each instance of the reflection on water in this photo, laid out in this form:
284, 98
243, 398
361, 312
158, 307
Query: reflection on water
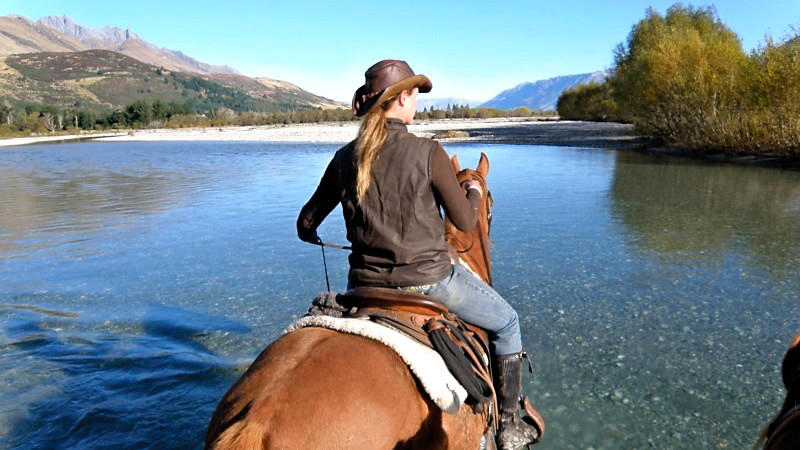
681, 209
138, 280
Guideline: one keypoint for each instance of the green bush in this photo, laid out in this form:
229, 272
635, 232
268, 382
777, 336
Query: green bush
592, 102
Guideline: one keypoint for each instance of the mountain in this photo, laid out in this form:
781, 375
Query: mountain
442, 103
102, 79
92, 38
542, 94
129, 43
20, 35
59, 62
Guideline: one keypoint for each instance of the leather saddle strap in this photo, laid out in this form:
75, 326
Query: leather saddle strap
478, 366
402, 321
467, 343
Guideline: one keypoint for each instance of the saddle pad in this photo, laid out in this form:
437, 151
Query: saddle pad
427, 365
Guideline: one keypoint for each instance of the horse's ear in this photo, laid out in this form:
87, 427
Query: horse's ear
483, 165
456, 165
795, 341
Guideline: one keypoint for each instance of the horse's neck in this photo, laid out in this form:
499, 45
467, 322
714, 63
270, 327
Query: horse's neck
472, 251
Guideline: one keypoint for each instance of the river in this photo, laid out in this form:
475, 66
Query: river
657, 294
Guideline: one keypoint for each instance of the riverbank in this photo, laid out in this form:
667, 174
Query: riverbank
57, 138
531, 131
523, 131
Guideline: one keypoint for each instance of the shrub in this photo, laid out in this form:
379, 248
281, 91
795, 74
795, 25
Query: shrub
591, 102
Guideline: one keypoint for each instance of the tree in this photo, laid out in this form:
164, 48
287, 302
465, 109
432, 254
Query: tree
139, 112
7, 113
160, 110
681, 67
48, 120
86, 119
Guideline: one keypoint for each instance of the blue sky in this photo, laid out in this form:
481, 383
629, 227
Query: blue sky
469, 49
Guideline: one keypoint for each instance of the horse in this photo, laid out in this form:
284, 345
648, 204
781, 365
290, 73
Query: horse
317, 388
783, 431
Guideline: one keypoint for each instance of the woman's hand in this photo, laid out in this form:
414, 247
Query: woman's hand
474, 185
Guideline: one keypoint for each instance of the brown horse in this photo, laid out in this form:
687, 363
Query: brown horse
783, 432
316, 388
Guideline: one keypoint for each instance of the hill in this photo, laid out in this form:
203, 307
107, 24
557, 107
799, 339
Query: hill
542, 94
103, 79
59, 62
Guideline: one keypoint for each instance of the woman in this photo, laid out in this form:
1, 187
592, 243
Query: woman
391, 184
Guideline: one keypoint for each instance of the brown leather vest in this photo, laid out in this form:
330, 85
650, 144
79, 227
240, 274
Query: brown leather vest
396, 230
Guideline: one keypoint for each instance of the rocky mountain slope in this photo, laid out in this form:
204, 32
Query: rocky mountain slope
129, 43
542, 94
20, 35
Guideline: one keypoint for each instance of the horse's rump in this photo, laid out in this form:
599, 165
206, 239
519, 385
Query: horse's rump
316, 388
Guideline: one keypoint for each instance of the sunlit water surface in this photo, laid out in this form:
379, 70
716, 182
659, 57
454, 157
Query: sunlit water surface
138, 280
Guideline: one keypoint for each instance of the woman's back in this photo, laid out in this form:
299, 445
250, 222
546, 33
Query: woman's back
395, 228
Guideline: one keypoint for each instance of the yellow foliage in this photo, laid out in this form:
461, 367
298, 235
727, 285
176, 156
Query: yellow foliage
684, 77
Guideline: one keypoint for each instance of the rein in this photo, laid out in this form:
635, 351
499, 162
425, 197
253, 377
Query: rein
322, 246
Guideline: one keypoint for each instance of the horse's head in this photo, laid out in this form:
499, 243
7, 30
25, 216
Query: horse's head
783, 432
790, 369
473, 247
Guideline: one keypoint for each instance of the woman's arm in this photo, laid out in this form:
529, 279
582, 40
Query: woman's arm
321, 203
461, 210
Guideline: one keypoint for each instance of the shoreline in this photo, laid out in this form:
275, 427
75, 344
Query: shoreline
515, 130
32, 140
546, 131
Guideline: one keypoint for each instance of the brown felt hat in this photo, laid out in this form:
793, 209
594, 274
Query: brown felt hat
385, 79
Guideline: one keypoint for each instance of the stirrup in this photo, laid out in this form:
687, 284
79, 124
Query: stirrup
532, 417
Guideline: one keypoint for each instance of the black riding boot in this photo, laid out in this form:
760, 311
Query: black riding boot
514, 432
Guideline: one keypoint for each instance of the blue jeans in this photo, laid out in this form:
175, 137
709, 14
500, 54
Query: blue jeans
477, 303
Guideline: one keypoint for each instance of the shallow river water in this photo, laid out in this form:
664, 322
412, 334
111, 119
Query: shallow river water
138, 280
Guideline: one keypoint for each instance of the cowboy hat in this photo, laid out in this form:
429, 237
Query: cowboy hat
385, 79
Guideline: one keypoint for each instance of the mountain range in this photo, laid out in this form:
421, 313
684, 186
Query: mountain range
129, 43
59, 62
538, 95
543, 94
443, 103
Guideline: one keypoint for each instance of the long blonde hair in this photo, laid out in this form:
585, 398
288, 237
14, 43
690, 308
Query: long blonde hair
371, 136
